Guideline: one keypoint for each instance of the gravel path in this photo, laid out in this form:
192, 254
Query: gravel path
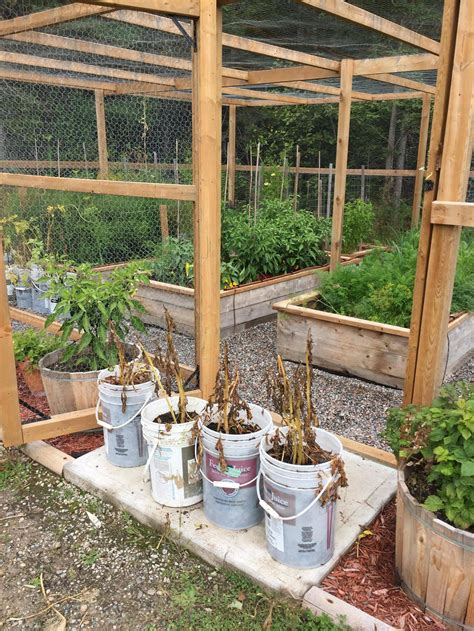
345, 405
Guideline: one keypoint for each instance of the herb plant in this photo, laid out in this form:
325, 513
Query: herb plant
359, 221
380, 288
32, 345
90, 303
436, 444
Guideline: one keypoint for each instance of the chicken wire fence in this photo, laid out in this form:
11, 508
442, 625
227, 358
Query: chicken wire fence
51, 130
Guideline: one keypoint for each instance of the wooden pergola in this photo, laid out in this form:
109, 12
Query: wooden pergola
209, 85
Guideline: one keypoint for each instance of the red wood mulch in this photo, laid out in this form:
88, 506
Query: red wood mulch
73, 444
365, 577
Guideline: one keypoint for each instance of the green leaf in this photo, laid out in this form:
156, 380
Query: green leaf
433, 503
467, 468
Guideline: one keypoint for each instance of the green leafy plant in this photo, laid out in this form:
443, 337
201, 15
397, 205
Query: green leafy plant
173, 261
359, 220
91, 303
32, 345
437, 445
380, 288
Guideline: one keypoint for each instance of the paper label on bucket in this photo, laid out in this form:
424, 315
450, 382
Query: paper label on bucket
274, 531
241, 471
283, 503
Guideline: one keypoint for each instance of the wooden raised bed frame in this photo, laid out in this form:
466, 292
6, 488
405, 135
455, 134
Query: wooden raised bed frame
371, 350
240, 308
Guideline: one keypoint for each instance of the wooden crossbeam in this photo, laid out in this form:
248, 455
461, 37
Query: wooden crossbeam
402, 82
83, 68
40, 19
395, 63
453, 214
102, 187
186, 8
60, 81
270, 96
361, 17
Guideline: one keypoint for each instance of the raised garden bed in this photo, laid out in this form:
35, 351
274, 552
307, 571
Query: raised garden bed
351, 346
241, 307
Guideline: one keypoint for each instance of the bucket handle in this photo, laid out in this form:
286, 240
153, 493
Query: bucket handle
271, 512
113, 427
223, 484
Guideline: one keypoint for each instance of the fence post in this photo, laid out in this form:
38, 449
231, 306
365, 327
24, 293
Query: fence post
420, 162
231, 154
343, 126
165, 234
362, 183
297, 175
10, 418
101, 134
328, 201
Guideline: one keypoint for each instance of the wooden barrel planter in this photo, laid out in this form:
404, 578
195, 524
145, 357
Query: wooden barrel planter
435, 562
67, 391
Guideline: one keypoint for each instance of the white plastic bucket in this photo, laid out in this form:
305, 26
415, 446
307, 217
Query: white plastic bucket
230, 496
40, 302
299, 530
24, 298
123, 436
174, 472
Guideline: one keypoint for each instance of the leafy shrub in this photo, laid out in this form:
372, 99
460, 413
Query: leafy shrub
359, 220
173, 260
380, 288
90, 303
437, 443
33, 345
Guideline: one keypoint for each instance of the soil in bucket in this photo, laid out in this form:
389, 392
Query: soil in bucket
122, 406
300, 500
174, 471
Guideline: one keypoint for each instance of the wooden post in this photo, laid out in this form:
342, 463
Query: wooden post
328, 201
343, 127
10, 419
101, 134
362, 183
165, 233
207, 147
297, 176
439, 244
231, 155
421, 159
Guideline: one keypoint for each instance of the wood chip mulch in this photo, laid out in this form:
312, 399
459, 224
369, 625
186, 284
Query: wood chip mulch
72, 444
365, 577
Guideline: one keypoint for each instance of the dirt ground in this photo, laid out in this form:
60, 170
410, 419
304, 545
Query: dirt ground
70, 561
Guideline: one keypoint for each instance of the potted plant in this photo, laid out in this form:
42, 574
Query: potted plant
30, 346
302, 469
435, 501
88, 304
170, 427
230, 439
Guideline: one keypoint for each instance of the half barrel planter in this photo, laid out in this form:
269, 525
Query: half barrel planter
360, 348
435, 562
242, 307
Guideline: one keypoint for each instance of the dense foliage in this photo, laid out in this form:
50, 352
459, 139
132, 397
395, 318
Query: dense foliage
437, 444
32, 345
91, 303
380, 288
359, 221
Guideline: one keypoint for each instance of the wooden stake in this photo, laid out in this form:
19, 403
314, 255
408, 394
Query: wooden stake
320, 190
58, 158
165, 235
297, 177
85, 159
433, 287
283, 176
343, 128
421, 159
226, 173
328, 203
362, 183
176, 179
208, 64
231, 154
257, 183
10, 419
250, 180
101, 134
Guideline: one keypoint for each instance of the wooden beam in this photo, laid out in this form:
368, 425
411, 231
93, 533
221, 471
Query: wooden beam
38, 322
294, 73
76, 66
208, 181
395, 63
40, 78
101, 135
452, 187
453, 214
421, 160
186, 8
323, 89
270, 96
403, 82
10, 418
101, 187
397, 96
104, 50
231, 156
448, 37
60, 425
343, 129
230, 41
59, 15
361, 17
